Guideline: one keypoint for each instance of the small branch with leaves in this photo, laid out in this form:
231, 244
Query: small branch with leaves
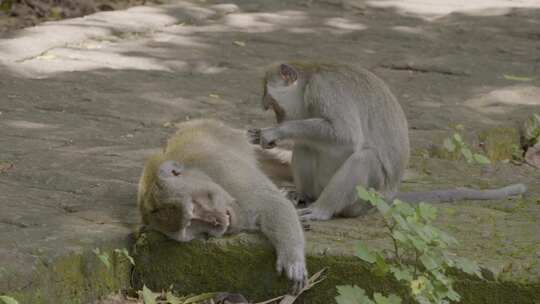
420, 260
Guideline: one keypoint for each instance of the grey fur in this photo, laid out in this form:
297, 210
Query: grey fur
348, 129
218, 164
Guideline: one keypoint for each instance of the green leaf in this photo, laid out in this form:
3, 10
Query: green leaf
532, 128
467, 153
468, 266
458, 138
481, 159
453, 296
427, 212
400, 236
418, 243
8, 300
148, 296
381, 268
381, 205
442, 278
517, 78
363, 252
352, 295
429, 262
200, 298
103, 257
459, 127
401, 273
445, 237
391, 299
125, 253
449, 145
403, 208
400, 221
172, 299
363, 194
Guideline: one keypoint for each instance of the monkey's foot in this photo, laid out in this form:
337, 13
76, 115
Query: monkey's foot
298, 199
314, 214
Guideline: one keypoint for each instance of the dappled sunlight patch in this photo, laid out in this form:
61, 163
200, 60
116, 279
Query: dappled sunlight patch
23, 124
301, 30
68, 59
32, 41
439, 8
414, 31
179, 40
345, 24
264, 22
138, 18
499, 101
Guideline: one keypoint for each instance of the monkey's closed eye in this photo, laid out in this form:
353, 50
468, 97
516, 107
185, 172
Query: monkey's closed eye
175, 172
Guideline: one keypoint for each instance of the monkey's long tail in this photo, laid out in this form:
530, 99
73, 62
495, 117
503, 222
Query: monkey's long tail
450, 195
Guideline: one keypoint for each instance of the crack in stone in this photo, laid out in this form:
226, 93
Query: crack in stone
412, 68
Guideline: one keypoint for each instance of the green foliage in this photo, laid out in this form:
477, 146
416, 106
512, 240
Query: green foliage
8, 300
103, 257
517, 78
352, 295
106, 260
420, 258
456, 143
123, 252
6, 5
150, 297
531, 129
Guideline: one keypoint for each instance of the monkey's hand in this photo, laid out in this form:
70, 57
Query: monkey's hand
265, 137
314, 213
294, 268
254, 136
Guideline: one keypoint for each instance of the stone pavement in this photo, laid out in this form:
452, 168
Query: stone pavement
84, 101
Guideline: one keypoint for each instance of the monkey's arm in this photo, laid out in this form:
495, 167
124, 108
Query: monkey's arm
441, 196
312, 129
280, 224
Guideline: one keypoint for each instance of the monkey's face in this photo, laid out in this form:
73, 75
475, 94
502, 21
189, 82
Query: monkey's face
191, 206
282, 92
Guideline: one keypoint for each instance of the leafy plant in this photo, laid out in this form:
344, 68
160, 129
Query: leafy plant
531, 129
103, 257
456, 143
8, 300
419, 259
150, 297
106, 260
125, 253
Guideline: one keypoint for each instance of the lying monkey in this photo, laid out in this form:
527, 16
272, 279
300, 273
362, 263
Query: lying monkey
348, 129
207, 182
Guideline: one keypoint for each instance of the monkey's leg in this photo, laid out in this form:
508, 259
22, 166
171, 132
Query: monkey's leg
303, 169
339, 196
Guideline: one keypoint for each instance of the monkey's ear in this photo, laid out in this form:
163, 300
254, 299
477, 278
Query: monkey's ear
170, 168
288, 73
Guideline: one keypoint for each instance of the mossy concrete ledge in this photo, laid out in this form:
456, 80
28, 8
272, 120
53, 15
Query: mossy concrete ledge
245, 264
78, 277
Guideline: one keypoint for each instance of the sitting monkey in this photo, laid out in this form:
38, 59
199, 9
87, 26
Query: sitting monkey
207, 182
348, 129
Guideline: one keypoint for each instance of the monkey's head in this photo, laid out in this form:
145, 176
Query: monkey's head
190, 205
283, 91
